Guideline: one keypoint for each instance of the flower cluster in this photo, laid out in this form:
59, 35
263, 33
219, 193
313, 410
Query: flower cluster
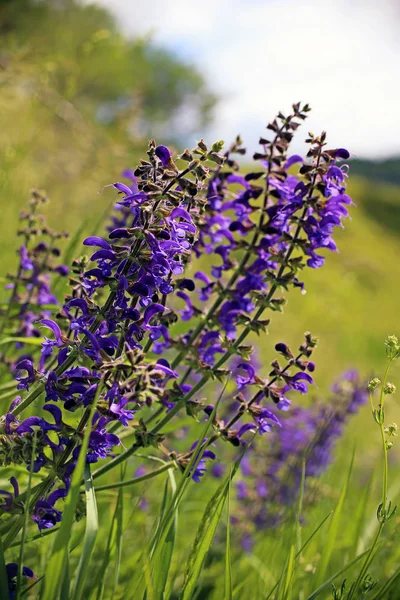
271, 474
32, 297
138, 337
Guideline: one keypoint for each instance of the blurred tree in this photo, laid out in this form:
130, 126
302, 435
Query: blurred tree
78, 102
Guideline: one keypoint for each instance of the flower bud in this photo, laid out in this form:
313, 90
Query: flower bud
391, 430
284, 349
389, 388
392, 346
373, 384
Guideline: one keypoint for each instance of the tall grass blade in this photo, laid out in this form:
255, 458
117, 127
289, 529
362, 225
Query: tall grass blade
26, 520
92, 526
65, 588
285, 580
206, 532
228, 559
119, 520
308, 540
331, 579
359, 518
333, 528
58, 562
3, 574
106, 561
32, 341
162, 558
382, 593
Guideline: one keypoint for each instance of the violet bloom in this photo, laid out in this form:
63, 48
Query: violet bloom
164, 155
24, 365
12, 572
45, 515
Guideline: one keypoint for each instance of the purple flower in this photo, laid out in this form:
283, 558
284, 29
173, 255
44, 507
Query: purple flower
164, 155
243, 380
12, 572
27, 366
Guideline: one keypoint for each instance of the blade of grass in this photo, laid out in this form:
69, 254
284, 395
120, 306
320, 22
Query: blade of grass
300, 550
129, 482
228, 560
59, 558
359, 517
92, 526
206, 532
285, 580
119, 519
37, 536
169, 582
333, 528
331, 579
382, 593
165, 521
32, 341
26, 520
65, 588
162, 558
3, 574
106, 560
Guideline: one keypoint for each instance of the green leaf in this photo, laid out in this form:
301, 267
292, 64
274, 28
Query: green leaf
286, 578
204, 539
315, 531
32, 341
328, 582
330, 541
26, 520
162, 558
206, 532
111, 542
3, 574
228, 560
119, 519
58, 562
92, 526
65, 588
382, 593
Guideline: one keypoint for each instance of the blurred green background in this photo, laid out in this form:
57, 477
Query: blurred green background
78, 103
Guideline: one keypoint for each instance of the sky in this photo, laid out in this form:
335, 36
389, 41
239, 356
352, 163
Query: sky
260, 56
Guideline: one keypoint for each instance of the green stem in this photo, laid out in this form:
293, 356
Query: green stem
136, 480
371, 552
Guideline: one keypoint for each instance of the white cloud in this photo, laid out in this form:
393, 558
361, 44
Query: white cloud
260, 55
